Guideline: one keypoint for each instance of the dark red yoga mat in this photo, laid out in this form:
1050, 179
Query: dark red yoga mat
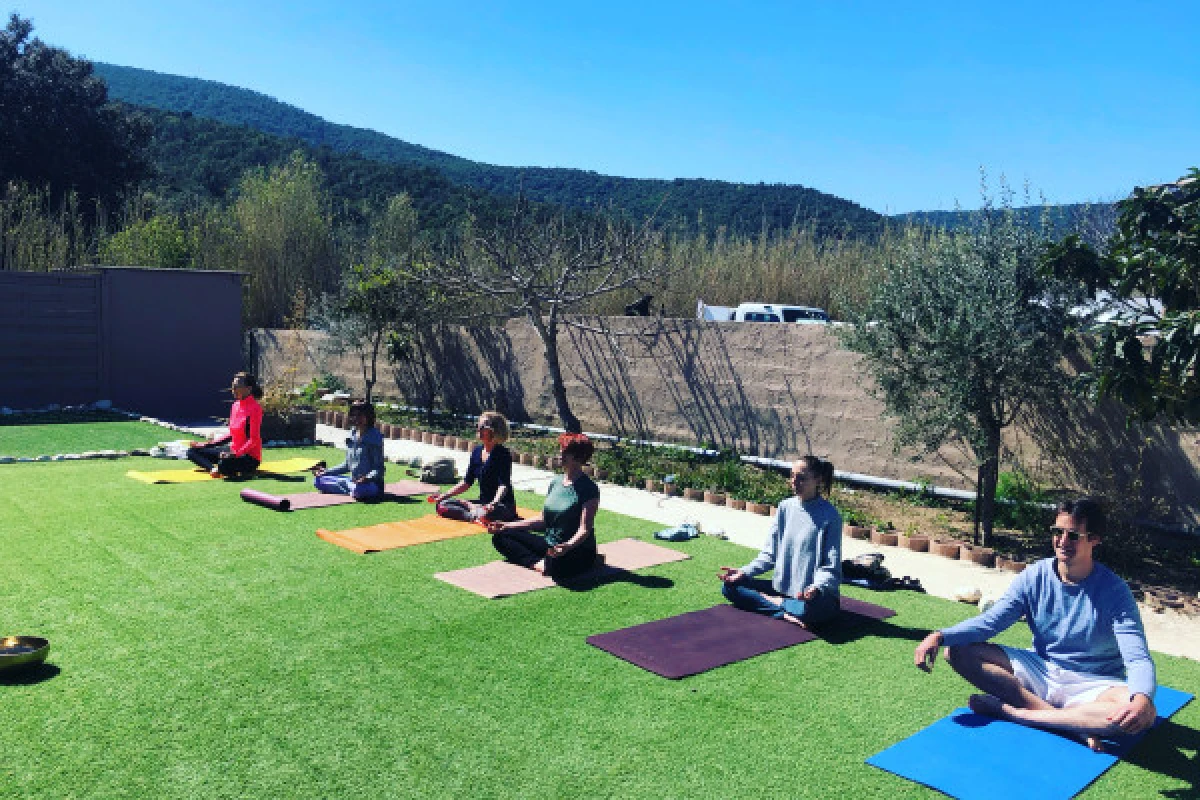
298, 502
698, 641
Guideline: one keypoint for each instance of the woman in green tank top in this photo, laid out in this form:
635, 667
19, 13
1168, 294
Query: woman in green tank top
567, 544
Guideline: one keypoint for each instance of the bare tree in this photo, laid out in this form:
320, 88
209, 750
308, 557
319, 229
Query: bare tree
542, 264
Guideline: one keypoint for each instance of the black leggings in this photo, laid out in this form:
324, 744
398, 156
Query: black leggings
526, 549
230, 466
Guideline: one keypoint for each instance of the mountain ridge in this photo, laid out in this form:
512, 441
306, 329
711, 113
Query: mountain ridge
695, 202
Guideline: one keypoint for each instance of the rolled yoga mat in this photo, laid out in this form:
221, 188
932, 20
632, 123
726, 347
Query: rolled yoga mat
698, 641
303, 500
975, 757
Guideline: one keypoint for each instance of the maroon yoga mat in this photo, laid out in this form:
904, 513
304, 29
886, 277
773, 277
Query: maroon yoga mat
298, 502
698, 641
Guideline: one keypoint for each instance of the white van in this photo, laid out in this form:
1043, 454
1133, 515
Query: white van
771, 312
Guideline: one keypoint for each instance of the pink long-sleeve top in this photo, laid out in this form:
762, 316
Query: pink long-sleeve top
245, 426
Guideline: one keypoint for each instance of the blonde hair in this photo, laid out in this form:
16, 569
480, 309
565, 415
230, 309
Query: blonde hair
496, 423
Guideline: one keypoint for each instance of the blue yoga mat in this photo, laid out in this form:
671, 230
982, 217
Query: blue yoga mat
975, 757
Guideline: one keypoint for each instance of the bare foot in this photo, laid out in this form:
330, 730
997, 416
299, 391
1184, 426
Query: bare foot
1096, 744
794, 620
987, 705
539, 568
214, 472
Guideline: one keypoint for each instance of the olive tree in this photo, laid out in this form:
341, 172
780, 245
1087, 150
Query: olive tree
961, 335
544, 263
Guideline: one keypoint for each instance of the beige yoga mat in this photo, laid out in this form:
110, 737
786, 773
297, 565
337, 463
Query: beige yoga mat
390, 535
503, 579
195, 475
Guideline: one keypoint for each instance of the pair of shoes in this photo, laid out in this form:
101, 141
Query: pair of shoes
214, 473
911, 584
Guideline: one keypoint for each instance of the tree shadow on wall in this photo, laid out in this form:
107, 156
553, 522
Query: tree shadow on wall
604, 369
1096, 450
474, 369
283, 358
696, 369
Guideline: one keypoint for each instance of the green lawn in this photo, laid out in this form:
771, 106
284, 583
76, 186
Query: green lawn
77, 437
205, 647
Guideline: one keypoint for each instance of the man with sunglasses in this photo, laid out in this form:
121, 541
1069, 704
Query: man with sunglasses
1089, 672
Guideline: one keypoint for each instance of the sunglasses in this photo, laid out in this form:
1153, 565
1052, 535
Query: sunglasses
1071, 534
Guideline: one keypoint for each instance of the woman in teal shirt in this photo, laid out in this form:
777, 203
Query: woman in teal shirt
567, 546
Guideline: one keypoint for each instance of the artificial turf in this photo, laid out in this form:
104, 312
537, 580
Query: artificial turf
76, 437
206, 647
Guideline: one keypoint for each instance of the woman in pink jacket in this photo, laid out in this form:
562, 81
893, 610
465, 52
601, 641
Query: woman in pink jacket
239, 452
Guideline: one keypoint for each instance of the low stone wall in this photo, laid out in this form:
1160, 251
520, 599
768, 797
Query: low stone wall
778, 391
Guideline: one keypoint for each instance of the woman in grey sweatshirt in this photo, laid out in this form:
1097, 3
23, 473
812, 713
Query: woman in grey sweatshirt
805, 550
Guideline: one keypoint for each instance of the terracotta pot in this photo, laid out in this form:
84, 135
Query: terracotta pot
716, 498
601, 474
758, 508
734, 503
653, 485
465, 445
883, 537
322, 416
397, 432
1010, 564
438, 440
693, 494
918, 543
589, 470
945, 549
983, 556
774, 510
858, 532
671, 489
337, 419
451, 442
552, 462
529, 459
427, 437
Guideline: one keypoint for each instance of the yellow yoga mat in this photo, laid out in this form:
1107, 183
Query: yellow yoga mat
195, 475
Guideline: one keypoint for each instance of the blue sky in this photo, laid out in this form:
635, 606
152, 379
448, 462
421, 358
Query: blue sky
894, 106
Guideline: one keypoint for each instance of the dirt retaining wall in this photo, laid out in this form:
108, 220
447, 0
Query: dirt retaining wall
771, 390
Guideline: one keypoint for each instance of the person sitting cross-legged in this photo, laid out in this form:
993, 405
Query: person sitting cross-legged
361, 475
805, 550
565, 548
1089, 673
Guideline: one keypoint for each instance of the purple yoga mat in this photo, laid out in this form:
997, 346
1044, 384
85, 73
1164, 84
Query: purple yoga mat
698, 641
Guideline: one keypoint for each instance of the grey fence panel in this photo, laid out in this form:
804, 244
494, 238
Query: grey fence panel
50, 346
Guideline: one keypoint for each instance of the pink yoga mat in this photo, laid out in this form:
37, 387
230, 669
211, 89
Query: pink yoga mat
502, 579
299, 502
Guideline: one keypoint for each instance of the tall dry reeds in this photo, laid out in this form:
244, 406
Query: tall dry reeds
792, 266
38, 234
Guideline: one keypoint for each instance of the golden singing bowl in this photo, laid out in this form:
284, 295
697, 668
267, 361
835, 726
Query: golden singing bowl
19, 652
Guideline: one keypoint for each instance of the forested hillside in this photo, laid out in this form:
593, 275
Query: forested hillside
197, 161
699, 204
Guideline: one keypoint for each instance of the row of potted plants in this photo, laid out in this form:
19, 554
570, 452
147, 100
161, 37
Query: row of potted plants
940, 546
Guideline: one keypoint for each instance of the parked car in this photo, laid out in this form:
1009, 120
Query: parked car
771, 312
763, 312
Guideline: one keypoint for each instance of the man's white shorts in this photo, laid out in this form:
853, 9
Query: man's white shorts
1059, 687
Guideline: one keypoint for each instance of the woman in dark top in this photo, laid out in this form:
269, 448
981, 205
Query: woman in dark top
491, 465
567, 546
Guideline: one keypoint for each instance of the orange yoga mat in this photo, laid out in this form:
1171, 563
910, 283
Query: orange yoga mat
390, 535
